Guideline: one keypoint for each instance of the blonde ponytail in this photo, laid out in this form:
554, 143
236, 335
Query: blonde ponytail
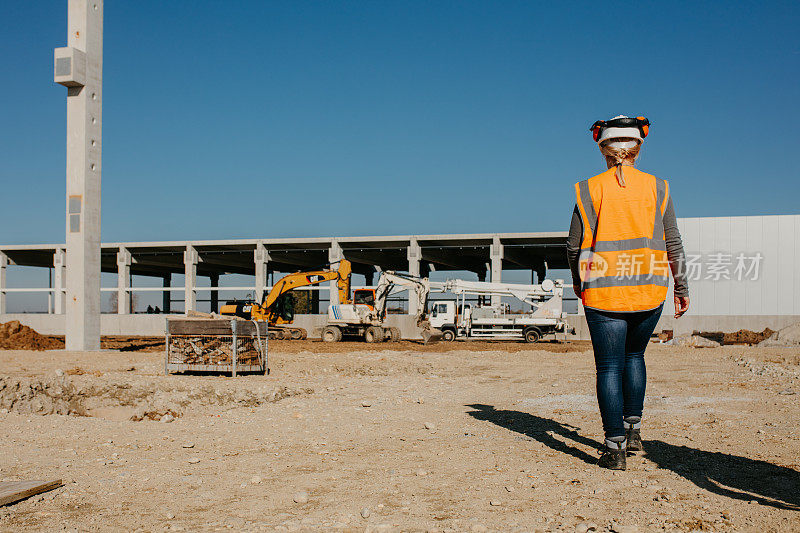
618, 156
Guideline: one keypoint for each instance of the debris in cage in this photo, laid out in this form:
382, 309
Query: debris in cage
212, 351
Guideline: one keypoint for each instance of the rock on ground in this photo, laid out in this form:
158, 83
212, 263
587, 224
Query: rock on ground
694, 341
788, 336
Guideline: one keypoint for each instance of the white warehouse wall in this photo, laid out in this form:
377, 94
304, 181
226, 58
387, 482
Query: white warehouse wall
775, 290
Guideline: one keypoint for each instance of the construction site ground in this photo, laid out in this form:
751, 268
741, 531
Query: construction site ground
398, 437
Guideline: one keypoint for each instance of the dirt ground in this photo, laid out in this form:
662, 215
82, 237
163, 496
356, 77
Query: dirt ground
451, 437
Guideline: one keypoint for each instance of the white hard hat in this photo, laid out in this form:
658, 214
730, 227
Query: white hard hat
620, 127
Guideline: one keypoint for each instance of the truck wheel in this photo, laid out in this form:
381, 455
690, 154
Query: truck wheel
532, 335
331, 334
373, 334
297, 334
448, 335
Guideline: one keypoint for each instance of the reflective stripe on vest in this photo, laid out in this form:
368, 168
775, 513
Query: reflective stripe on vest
624, 263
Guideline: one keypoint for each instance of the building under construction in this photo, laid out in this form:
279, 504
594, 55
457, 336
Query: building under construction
741, 271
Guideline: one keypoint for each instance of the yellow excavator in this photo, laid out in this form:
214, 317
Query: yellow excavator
277, 307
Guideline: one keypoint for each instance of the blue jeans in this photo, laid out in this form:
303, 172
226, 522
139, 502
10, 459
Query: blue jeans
619, 341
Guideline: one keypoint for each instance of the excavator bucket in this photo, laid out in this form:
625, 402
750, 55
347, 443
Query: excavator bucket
429, 334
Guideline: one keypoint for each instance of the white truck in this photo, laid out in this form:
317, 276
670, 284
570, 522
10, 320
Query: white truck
458, 318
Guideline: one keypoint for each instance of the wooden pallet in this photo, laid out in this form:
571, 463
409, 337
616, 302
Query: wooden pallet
14, 491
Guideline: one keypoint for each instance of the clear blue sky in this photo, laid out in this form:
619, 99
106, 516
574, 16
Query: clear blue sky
265, 119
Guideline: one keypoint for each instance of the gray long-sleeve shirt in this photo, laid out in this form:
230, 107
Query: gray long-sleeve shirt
675, 254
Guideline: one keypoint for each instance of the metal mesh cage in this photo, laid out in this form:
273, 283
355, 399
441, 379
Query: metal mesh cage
216, 352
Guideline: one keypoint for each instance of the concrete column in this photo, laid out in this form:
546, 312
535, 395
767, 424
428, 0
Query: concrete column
496, 256
414, 254
261, 258
59, 281
79, 67
369, 278
190, 260
3, 265
123, 281
214, 293
335, 253
166, 296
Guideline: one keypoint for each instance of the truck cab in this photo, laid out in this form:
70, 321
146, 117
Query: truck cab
444, 316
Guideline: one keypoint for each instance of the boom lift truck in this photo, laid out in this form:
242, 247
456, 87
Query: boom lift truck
365, 315
277, 307
461, 319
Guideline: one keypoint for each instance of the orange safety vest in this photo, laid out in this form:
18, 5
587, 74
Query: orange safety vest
623, 261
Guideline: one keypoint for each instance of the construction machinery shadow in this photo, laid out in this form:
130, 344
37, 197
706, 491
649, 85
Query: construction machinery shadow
728, 475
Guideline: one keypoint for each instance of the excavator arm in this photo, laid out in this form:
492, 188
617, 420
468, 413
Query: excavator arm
303, 279
269, 311
418, 288
391, 282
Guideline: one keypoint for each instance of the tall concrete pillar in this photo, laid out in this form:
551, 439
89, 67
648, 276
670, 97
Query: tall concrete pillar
369, 278
79, 67
496, 256
123, 281
3, 265
261, 258
166, 296
59, 281
190, 260
335, 253
414, 254
214, 293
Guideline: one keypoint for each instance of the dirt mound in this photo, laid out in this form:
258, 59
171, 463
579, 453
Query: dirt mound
788, 336
56, 395
743, 336
15, 336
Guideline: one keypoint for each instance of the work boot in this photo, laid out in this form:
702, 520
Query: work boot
632, 425
634, 439
613, 456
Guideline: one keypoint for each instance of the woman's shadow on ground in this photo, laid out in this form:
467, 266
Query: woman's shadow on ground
728, 475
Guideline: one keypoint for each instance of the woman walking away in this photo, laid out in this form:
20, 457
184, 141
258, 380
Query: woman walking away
623, 242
